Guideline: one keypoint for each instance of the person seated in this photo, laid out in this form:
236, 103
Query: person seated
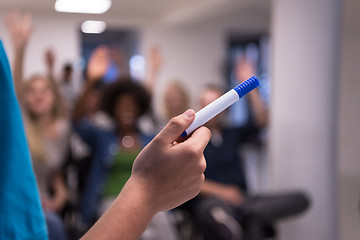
223, 210
114, 149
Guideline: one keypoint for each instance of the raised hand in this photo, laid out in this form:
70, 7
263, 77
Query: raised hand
98, 64
156, 59
20, 28
155, 62
244, 68
49, 58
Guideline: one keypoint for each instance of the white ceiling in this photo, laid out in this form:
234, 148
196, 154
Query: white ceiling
148, 11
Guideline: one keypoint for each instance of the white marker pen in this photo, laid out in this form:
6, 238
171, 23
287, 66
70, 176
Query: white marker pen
220, 104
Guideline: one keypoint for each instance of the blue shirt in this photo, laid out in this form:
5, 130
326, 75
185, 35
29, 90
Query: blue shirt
21, 216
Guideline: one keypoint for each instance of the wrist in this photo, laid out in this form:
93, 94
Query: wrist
128, 216
140, 195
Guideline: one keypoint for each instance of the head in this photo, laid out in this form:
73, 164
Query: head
125, 101
176, 100
67, 72
42, 98
93, 97
209, 94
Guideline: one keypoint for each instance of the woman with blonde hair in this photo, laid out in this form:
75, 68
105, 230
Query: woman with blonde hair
47, 127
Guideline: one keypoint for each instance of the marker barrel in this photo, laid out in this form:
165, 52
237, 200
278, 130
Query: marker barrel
220, 104
213, 109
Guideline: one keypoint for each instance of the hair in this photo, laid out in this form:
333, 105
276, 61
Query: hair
58, 110
35, 140
67, 67
125, 86
181, 89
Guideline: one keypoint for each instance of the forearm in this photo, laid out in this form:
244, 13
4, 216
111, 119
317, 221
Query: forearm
20, 29
258, 108
150, 81
128, 216
50, 75
18, 66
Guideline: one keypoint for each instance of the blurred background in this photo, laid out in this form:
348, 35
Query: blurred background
305, 54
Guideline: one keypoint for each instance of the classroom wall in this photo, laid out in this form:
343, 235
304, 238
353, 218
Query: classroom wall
61, 34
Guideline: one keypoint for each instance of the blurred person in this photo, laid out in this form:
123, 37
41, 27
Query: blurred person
224, 210
47, 128
87, 104
159, 181
175, 99
114, 150
161, 177
87, 109
155, 62
69, 86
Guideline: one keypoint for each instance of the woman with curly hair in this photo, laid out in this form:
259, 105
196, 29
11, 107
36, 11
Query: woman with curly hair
115, 148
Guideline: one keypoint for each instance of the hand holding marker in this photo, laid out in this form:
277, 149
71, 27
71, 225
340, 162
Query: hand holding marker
220, 104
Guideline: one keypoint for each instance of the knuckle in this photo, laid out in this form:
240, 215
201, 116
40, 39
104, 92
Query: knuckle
200, 181
156, 140
174, 122
198, 149
189, 156
206, 131
202, 165
193, 151
202, 178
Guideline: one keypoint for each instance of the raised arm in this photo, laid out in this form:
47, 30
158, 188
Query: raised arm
165, 174
49, 58
20, 29
245, 69
155, 63
98, 64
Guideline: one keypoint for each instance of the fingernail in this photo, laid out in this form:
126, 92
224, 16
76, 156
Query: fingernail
189, 113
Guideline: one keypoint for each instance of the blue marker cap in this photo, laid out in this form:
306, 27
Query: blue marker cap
184, 134
247, 86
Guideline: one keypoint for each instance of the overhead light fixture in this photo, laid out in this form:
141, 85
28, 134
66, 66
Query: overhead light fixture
94, 27
83, 6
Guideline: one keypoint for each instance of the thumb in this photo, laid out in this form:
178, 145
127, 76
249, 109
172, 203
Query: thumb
176, 126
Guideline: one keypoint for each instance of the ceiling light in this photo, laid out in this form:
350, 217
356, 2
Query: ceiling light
95, 27
83, 6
